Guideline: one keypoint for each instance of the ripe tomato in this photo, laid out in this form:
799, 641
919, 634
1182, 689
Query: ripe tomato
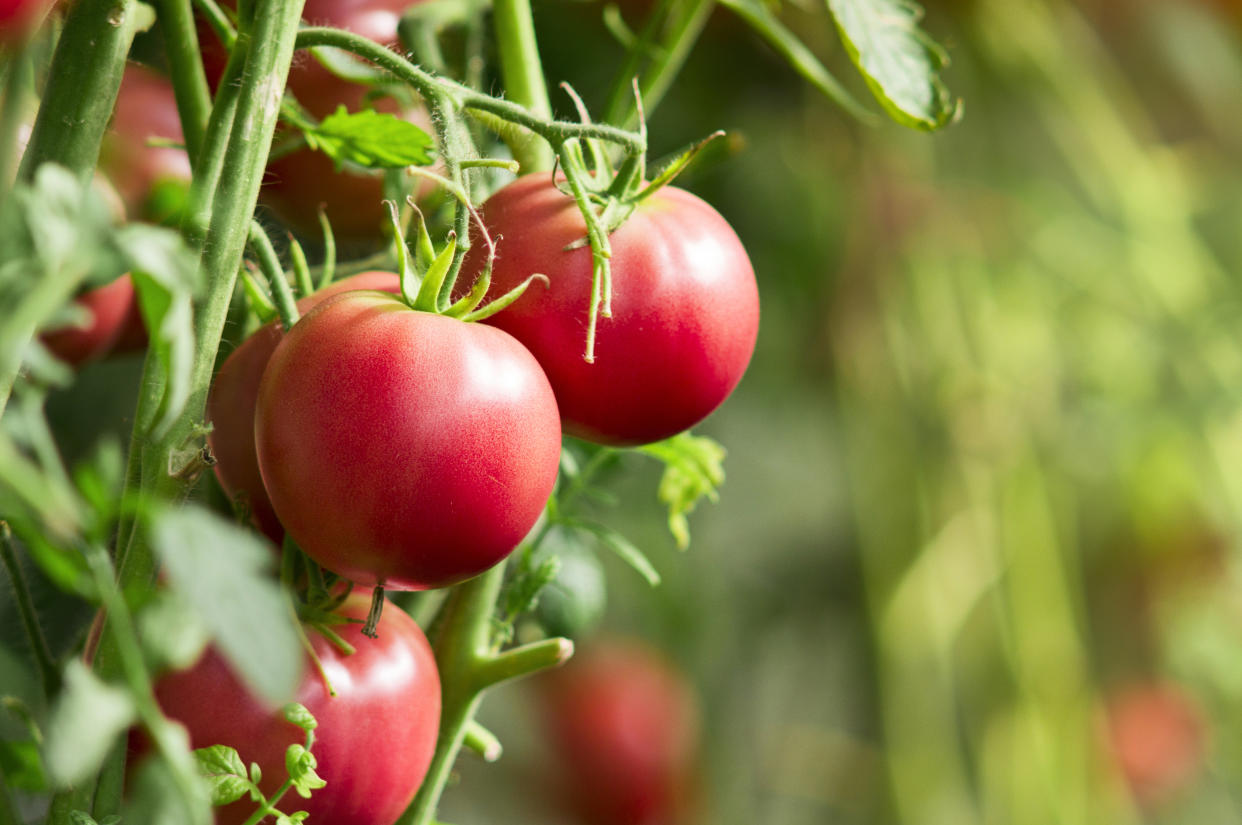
375, 738
685, 309
403, 448
110, 307
624, 724
235, 390
1158, 738
145, 108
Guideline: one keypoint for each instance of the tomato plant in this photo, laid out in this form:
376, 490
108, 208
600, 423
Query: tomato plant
402, 448
235, 391
623, 721
374, 738
685, 309
298, 183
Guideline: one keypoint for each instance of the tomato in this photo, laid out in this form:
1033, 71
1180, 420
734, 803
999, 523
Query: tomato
18, 18
1158, 737
403, 448
685, 309
110, 307
375, 738
235, 390
624, 724
145, 108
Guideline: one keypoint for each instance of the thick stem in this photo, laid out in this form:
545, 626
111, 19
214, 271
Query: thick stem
462, 638
176, 18
49, 674
522, 72
81, 89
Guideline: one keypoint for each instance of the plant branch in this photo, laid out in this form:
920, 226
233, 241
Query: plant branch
522, 73
82, 86
176, 19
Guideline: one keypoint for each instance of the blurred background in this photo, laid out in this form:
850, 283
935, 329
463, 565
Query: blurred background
976, 557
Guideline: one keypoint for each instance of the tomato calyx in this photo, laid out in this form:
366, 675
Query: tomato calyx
428, 277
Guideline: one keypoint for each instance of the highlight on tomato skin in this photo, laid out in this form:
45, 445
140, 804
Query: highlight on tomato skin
403, 448
685, 308
235, 392
374, 739
623, 722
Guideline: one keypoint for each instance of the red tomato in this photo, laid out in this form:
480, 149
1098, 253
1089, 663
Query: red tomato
1158, 737
685, 309
110, 307
403, 448
145, 108
375, 738
624, 724
18, 18
235, 390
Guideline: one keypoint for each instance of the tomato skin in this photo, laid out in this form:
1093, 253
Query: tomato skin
624, 724
145, 108
235, 392
685, 309
375, 738
403, 448
110, 306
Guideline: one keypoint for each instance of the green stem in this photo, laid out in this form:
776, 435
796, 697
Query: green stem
286, 304
167, 736
680, 23
462, 638
17, 81
553, 131
522, 73
176, 19
49, 674
81, 89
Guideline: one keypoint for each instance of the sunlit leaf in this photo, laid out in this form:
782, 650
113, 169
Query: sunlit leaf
899, 61
376, 140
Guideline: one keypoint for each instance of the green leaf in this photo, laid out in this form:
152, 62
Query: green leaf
296, 713
21, 766
693, 470
81, 818
225, 773
899, 61
623, 547
165, 275
300, 763
153, 798
376, 140
173, 636
86, 719
759, 16
220, 569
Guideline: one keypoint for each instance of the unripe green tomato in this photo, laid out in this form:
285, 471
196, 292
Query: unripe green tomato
573, 603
